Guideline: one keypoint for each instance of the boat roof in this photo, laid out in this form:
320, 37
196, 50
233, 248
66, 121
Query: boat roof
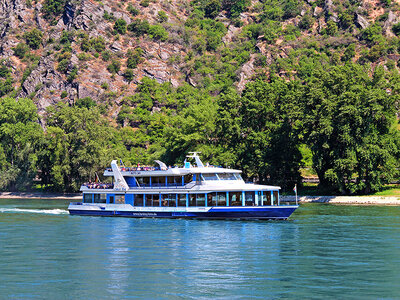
163, 170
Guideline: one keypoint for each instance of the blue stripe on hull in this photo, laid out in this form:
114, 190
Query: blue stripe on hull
280, 213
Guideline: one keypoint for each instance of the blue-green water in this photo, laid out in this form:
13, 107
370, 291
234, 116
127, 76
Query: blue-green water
324, 251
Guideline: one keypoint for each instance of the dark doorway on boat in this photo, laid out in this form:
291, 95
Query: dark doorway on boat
111, 200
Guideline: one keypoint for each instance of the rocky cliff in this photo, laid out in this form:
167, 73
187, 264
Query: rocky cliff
78, 40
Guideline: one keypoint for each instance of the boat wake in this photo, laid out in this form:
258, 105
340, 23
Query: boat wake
34, 211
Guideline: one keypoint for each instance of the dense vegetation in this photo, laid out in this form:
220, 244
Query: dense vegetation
321, 97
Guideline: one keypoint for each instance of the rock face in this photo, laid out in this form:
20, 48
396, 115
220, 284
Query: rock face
79, 45
361, 21
47, 84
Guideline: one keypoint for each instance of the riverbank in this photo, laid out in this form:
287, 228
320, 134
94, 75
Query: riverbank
355, 200
33, 195
352, 200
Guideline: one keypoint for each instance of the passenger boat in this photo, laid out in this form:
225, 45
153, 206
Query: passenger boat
191, 191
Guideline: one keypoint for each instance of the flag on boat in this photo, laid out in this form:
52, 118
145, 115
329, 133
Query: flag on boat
295, 188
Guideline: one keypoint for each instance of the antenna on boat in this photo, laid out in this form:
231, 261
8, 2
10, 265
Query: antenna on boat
194, 155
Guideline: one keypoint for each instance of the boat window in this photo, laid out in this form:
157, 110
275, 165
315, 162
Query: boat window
238, 176
192, 200
100, 198
111, 201
153, 200
148, 200
212, 199
120, 199
211, 176
174, 180
138, 200
158, 181
276, 197
143, 181
168, 200
266, 198
226, 176
221, 199
201, 200
235, 198
181, 199
249, 199
188, 178
260, 198
87, 198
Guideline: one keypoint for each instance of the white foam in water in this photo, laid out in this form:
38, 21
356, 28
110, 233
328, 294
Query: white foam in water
34, 211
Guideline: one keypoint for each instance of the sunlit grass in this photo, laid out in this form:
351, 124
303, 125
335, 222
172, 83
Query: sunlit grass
389, 190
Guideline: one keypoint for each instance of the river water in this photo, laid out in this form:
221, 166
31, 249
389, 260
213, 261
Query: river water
323, 251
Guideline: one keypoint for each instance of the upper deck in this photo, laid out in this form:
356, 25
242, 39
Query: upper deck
170, 171
196, 177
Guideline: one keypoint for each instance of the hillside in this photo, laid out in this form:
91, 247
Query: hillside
208, 44
267, 86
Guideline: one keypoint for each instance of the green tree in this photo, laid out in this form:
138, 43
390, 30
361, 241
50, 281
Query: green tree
158, 33
350, 121
20, 136
74, 146
120, 26
33, 38
20, 50
53, 8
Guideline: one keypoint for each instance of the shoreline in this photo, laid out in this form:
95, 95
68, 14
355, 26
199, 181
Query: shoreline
348, 200
40, 196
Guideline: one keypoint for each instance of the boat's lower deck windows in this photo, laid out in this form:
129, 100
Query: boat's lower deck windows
181, 199
250, 199
138, 200
120, 199
99, 198
215, 199
87, 198
153, 200
235, 198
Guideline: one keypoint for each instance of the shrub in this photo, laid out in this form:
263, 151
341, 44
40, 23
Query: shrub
129, 75
133, 11
396, 29
331, 28
145, 3
291, 9
20, 50
157, 32
134, 58
33, 38
372, 33
85, 44
109, 17
139, 27
86, 102
63, 65
162, 16
64, 94
346, 20
114, 67
67, 37
212, 8
98, 44
73, 74
306, 22
349, 53
120, 26
106, 55
53, 8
